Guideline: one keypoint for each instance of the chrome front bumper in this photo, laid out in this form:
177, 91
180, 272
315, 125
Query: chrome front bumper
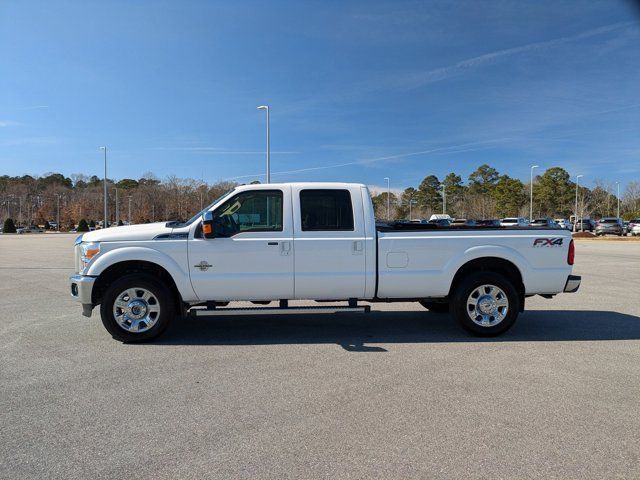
573, 283
81, 288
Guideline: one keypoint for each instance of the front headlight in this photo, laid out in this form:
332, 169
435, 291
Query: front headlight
88, 250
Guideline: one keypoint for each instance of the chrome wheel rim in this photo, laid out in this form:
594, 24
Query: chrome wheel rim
487, 305
136, 310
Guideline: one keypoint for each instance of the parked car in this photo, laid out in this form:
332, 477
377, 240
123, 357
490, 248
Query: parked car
488, 223
310, 241
514, 222
564, 223
585, 225
463, 222
441, 222
29, 229
544, 222
634, 227
610, 226
439, 216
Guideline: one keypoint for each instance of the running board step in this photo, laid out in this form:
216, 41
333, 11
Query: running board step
205, 312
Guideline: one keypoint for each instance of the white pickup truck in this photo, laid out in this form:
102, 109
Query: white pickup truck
312, 241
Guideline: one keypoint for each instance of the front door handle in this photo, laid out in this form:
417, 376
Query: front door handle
285, 248
357, 247
272, 243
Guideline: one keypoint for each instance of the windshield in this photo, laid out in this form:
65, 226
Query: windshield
197, 215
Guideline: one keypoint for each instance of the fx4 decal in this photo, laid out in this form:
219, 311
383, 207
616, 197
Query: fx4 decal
547, 242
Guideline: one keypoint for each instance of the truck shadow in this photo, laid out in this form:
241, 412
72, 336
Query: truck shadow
366, 333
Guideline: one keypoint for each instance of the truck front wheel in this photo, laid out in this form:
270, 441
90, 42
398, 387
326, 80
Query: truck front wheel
486, 304
137, 308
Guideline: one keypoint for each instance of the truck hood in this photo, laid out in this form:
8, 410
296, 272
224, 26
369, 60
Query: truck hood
145, 231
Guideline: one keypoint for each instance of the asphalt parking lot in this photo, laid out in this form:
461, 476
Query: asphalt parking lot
398, 393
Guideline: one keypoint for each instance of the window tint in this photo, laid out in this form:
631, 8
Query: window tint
326, 210
253, 211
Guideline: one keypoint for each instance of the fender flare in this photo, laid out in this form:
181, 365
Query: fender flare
474, 253
145, 254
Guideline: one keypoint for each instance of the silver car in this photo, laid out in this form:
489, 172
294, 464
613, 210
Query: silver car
564, 223
610, 226
514, 222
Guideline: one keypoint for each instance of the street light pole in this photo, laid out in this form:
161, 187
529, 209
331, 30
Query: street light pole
444, 199
531, 194
388, 198
129, 209
105, 186
411, 202
618, 187
58, 212
266, 107
575, 228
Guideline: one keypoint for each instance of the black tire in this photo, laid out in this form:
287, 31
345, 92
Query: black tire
469, 285
161, 295
435, 307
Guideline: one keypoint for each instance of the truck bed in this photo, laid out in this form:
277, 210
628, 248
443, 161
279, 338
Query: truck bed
421, 260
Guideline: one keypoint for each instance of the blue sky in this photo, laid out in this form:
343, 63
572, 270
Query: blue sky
358, 90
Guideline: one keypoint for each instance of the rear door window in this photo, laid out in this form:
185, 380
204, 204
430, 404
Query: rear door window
326, 210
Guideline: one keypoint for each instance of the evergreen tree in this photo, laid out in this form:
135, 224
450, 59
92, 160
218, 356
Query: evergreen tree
9, 226
82, 225
429, 196
553, 193
510, 196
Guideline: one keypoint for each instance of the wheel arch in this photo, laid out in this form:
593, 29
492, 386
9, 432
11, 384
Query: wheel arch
491, 264
119, 269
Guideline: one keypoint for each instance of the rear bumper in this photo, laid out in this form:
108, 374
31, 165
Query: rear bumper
573, 283
81, 290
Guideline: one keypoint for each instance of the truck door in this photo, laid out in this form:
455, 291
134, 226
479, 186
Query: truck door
329, 243
251, 257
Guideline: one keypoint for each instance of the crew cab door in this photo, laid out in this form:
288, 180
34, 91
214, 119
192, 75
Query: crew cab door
329, 243
251, 257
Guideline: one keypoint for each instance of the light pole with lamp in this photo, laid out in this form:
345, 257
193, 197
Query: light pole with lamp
266, 107
531, 194
575, 229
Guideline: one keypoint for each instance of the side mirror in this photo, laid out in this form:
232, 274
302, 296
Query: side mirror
207, 225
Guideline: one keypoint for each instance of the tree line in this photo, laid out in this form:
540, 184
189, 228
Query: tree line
489, 194
37, 200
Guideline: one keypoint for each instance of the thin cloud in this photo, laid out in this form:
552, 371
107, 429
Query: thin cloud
442, 73
465, 147
218, 151
9, 123
36, 107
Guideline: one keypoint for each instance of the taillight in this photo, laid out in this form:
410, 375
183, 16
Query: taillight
571, 254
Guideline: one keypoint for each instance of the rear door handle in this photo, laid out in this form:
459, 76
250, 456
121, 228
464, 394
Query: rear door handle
272, 243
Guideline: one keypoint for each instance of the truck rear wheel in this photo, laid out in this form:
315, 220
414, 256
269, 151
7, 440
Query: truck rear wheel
137, 308
486, 304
